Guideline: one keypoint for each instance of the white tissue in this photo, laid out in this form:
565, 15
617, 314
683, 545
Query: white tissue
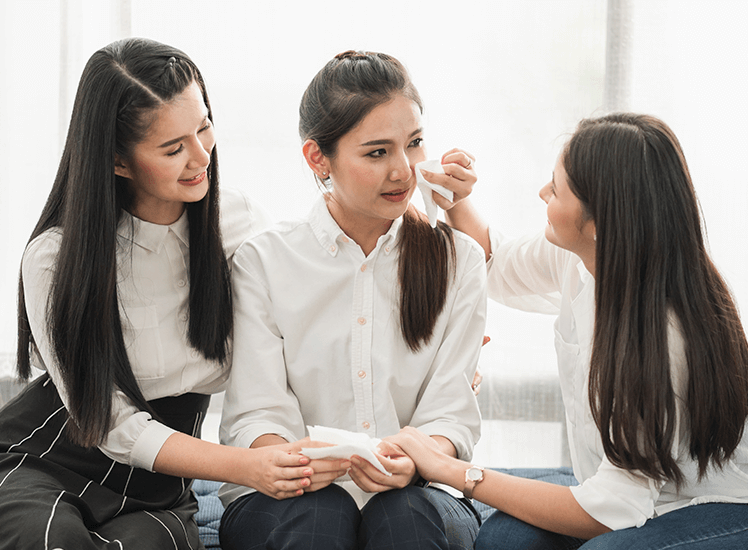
427, 188
345, 445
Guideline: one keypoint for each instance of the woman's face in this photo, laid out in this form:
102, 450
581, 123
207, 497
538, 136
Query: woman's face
567, 227
168, 167
373, 171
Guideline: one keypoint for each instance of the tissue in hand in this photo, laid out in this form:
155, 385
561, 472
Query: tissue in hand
345, 445
427, 188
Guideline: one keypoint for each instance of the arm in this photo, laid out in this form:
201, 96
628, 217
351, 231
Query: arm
278, 471
260, 409
548, 506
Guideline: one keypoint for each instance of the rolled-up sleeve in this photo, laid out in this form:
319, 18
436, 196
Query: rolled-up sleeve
135, 438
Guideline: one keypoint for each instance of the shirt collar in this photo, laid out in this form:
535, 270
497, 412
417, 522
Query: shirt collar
330, 236
151, 236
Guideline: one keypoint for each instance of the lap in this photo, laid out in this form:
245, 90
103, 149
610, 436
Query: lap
330, 519
713, 526
39, 512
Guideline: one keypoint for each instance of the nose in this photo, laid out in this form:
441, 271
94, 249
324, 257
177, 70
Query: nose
200, 150
545, 192
401, 169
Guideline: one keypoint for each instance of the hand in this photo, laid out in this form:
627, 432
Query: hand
279, 471
422, 449
459, 177
324, 470
371, 480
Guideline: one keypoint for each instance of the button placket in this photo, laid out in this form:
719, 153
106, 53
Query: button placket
362, 309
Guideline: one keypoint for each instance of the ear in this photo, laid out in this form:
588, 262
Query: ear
120, 168
318, 162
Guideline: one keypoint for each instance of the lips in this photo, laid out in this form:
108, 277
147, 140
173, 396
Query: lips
194, 181
396, 196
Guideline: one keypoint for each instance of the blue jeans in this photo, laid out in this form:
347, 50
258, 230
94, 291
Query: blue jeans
409, 518
715, 526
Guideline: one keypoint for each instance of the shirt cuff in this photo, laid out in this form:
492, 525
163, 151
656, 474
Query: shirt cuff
615, 503
148, 445
461, 438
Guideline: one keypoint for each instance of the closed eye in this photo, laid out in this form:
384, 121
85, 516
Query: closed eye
175, 153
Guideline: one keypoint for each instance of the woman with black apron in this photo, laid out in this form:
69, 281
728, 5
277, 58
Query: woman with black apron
125, 302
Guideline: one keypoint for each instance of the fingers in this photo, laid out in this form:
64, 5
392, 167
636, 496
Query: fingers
477, 379
458, 156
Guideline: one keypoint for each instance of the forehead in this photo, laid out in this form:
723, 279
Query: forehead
399, 117
179, 116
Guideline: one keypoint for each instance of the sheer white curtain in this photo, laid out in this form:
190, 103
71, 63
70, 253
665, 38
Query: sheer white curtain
505, 80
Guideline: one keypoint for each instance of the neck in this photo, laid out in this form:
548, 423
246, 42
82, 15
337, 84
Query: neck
364, 231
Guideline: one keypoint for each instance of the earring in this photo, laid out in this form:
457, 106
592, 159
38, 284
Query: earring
324, 175
594, 237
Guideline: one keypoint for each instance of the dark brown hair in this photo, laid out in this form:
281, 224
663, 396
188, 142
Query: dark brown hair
651, 261
339, 97
121, 87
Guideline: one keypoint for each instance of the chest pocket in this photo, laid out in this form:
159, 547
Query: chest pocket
143, 342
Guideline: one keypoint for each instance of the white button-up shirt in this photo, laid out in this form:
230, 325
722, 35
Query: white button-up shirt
534, 275
317, 340
153, 291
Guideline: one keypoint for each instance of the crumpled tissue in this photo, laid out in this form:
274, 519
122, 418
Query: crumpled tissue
427, 188
345, 445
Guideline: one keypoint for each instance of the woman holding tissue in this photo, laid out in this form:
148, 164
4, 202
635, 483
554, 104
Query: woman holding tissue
361, 317
652, 356
125, 302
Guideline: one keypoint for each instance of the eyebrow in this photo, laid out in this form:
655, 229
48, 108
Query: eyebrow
177, 140
388, 141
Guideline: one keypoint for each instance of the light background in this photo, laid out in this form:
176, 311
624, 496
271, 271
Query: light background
506, 80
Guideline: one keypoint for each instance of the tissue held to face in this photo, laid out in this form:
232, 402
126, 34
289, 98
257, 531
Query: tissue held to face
373, 171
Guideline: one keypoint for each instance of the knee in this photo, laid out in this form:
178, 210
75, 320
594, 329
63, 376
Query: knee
323, 519
391, 519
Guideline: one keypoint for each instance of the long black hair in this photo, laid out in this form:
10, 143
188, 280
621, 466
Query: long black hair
340, 96
120, 88
630, 173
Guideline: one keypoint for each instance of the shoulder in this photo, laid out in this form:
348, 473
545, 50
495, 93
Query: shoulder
241, 218
42, 251
278, 243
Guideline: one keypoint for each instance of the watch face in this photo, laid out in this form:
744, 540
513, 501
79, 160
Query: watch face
474, 473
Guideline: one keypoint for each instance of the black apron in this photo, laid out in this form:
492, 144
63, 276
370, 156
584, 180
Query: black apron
56, 494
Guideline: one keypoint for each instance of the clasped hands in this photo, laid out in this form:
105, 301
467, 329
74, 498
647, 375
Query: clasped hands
287, 473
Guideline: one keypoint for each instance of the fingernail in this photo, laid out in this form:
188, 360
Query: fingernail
304, 460
345, 465
306, 481
308, 472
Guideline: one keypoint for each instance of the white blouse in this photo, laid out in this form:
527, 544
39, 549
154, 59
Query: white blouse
532, 274
318, 341
153, 291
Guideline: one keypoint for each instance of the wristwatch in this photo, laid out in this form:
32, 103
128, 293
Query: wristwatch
473, 476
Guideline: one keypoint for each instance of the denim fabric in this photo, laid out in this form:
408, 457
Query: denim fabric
714, 526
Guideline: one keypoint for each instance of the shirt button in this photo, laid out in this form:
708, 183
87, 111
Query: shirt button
362, 374
181, 282
344, 239
363, 267
332, 248
366, 425
361, 321
386, 248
